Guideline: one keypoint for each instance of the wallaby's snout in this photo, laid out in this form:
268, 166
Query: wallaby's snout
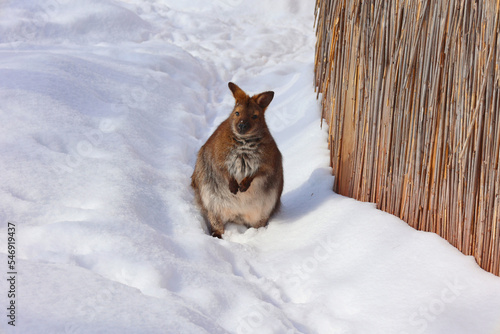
243, 126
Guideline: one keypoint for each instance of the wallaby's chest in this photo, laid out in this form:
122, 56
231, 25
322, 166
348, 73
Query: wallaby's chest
243, 159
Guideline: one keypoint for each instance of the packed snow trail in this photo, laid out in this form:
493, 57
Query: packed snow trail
104, 105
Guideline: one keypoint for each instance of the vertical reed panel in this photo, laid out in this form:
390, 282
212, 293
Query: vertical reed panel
410, 90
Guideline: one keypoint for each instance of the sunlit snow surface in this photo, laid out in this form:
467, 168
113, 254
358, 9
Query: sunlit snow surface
103, 107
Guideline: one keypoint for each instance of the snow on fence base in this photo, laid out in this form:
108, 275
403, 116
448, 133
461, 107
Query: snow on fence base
410, 91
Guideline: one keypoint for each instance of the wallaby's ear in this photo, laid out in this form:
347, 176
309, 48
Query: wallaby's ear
238, 93
263, 99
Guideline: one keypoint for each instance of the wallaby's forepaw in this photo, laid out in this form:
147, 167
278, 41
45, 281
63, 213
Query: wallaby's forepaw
244, 185
233, 186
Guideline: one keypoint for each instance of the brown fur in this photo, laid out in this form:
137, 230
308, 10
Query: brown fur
238, 175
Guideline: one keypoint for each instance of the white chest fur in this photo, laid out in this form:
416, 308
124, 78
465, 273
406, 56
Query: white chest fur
243, 160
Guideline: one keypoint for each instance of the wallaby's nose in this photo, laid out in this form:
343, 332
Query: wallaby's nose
242, 126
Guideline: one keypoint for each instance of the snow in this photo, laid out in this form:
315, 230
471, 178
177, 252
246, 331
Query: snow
104, 105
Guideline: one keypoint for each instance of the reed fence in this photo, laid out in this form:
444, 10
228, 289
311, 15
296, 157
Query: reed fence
410, 93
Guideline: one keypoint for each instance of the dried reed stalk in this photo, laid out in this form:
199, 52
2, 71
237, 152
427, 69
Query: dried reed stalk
411, 93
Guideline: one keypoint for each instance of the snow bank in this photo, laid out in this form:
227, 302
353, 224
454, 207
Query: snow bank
103, 106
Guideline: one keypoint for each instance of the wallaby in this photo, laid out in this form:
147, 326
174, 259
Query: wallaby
238, 175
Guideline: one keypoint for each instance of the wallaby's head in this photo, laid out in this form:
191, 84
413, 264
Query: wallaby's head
247, 118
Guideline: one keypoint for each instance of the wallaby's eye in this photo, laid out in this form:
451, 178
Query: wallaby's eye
255, 116
237, 113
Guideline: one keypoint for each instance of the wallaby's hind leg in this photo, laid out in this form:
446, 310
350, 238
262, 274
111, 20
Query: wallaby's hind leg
262, 223
216, 225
